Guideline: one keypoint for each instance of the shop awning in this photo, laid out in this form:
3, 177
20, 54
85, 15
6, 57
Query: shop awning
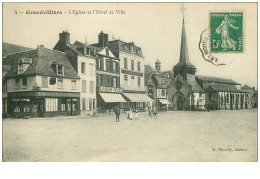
112, 98
136, 97
164, 101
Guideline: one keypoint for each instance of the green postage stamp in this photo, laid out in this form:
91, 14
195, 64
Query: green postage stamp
226, 32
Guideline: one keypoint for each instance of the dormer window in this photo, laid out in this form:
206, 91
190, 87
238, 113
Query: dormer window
23, 65
58, 67
60, 70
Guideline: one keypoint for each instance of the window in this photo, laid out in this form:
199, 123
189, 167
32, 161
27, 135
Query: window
132, 65
24, 82
63, 105
73, 84
84, 104
125, 79
227, 98
20, 68
138, 66
90, 104
74, 104
91, 87
51, 104
139, 81
83, 67
132, 80
125, 63
45, 82
17, 83
107, 51
60, 83
84, 86
60, 70
114, 82
91, 69
100, 80
114, 67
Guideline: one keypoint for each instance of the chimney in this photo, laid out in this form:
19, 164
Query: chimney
65, 38
103, 39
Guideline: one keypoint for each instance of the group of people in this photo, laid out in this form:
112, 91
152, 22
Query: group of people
151, 112
130, 114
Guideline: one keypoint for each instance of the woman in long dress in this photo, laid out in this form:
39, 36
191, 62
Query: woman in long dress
131, 114
223, 29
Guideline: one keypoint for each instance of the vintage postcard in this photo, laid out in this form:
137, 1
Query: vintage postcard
129, 82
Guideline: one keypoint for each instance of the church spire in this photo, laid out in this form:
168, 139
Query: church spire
184, 67
184, 53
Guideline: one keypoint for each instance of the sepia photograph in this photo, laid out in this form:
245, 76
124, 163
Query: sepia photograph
129, 82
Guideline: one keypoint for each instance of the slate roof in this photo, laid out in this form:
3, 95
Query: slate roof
246, 87
42, 58
8, 49
220, 88
216, 80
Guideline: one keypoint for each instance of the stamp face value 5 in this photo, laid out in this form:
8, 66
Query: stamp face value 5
226, 32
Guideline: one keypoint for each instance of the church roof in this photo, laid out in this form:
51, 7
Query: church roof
246, 87
216, 80
184, 53
221, 88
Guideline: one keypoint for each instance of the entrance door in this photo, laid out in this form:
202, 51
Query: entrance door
180, 103
69, 107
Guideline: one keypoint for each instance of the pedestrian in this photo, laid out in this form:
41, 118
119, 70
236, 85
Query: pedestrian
130, 114
117, 114
136, 115
149, 111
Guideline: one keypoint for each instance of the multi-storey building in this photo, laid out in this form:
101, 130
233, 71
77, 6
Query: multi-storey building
131, 73
83, 60
156, 83
41, 82
107, 74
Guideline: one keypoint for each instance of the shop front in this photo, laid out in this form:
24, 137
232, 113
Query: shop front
137, 101
107, 102
28, 104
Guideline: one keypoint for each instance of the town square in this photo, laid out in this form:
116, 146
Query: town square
172, 136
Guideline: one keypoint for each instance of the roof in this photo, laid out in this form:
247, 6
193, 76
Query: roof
246, 87
216, 80
42, 58
220, 88
9, 49
184, 54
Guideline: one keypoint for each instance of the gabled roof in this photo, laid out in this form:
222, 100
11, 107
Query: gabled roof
8, 49
216, 80
246, 87
42, 59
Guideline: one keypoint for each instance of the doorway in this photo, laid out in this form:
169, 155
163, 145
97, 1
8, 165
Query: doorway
180, 103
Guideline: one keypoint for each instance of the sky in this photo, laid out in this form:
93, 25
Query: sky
155, 27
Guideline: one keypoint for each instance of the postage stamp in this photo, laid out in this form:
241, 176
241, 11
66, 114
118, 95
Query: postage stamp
226, 32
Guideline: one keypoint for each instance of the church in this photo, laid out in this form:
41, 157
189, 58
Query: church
188, 91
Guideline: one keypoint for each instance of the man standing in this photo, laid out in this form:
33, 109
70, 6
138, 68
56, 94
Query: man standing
117, 114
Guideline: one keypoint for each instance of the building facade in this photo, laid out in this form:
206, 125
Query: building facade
156, 83
83, 61
41, 82
131, 74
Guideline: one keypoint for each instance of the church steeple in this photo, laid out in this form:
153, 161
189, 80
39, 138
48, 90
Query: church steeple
184, 66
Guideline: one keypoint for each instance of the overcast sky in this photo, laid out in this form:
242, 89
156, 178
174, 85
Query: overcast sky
155, 27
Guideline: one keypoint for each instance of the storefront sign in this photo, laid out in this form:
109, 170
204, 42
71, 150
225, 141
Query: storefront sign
110, 89
43, 94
